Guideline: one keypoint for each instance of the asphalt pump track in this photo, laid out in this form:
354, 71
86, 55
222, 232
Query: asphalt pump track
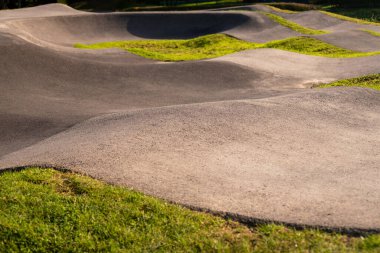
243, 134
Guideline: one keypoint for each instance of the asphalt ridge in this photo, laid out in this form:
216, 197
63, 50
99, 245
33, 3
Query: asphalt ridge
242, 133
278, 158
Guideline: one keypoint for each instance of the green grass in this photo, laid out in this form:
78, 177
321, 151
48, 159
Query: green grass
372, 32
350, 19
311, 46
370, 81
204, 47
215, 45
43, 210
294, 26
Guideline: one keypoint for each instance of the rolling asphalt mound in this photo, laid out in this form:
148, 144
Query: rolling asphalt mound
242, 133
49, 10
307, 158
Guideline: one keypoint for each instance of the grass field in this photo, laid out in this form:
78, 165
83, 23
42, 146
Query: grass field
43, 210
370, 81
215, 45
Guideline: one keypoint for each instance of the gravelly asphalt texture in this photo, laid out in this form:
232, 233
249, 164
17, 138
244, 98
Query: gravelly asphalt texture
243, 133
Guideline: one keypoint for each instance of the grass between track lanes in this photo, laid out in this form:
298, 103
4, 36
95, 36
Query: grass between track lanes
44, 210
209, 46
292, 25
377, 34
370, 81
215, 45
311, 46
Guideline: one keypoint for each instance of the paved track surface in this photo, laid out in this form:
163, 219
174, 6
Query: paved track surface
243, 133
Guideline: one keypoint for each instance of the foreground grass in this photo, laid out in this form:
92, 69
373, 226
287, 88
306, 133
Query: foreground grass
50, 211
370, 81
294, 26
215, 45
43, 210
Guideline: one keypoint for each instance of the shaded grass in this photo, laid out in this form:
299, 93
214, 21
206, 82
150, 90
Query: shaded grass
350, 19
294, 26
43, 210
370, 81
215, 45
372, 32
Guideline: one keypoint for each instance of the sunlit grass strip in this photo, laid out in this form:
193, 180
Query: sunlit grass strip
294, 26
216, 45
311, 46
370, 81
280, 10
377, 34
209, 46
43, 210
350, 19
